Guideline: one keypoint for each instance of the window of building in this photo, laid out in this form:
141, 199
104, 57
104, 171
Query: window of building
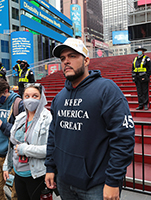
4, 46
16, 28
15, 13
15, 1
5, 63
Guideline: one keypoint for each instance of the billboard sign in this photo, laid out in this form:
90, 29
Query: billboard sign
37, 27
120, 37
54, 11
75, 16
4, 15
99, 44
41, 15
22, 47
143, 2
53, 68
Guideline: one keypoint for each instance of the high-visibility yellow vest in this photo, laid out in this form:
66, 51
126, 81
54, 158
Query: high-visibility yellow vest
19, 69
25, 79
141, 68
0, 70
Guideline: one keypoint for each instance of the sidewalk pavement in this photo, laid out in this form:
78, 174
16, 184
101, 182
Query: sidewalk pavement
126, 195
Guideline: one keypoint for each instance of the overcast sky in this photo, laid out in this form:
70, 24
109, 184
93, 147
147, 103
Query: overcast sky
58, 4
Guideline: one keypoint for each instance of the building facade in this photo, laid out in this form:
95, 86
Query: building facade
139, 23
44, 21
114, 17
115, 21
93, 20
91, 31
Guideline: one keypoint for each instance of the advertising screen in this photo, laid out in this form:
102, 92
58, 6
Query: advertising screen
75, 16
4, 16
120, 37
39, 15
22, 47
143, 2
139, 31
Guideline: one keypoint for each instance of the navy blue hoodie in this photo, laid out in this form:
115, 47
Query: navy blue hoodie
6, 126
91, 137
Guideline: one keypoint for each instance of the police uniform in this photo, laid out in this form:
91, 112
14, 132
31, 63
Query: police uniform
17, 66
2, 72
141, 70
25, 76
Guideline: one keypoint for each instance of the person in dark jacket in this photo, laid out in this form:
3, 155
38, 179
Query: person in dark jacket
91, 137
141, 70
2, 71
26, 75
17, 66
8, 101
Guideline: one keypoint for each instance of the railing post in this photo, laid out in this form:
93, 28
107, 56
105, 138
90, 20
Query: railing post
133, 171
143, 156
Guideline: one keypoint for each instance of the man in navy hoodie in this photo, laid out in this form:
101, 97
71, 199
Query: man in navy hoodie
91, 137
8, 99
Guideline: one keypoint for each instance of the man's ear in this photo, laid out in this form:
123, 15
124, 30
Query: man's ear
86, 61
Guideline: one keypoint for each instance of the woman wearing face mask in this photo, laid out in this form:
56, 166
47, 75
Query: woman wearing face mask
28, 144
141, 70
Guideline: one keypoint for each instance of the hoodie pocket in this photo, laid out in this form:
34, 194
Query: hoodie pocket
71, 168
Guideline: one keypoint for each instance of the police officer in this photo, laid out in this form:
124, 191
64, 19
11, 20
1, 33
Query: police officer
25, 76
141, 70
2, 71
17, 66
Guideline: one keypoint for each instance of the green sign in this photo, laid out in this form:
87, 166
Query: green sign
35, 3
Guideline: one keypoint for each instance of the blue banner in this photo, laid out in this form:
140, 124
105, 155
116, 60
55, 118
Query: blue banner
22, 47
75, 15
54, 10
4, 16
120, 37
37, 12
33, 25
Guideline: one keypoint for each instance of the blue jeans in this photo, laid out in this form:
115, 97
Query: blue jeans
68, 192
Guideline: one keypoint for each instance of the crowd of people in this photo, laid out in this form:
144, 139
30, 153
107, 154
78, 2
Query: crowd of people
82, 146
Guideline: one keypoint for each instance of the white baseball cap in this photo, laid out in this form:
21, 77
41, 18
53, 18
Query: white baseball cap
73, 43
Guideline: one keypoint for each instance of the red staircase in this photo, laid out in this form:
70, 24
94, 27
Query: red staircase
118, 68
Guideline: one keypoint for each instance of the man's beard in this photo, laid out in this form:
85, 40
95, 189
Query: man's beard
78, 73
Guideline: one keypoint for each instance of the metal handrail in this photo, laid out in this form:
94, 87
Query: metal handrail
143, 164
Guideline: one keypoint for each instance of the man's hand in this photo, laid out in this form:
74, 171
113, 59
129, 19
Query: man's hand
49, 179
111, 193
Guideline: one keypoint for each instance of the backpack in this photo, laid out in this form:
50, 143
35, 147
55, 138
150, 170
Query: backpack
14, 108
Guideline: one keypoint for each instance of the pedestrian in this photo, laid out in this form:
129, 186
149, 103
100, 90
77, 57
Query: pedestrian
17, 66
2, 71
10, 106
28, 144
141, 70
26, 75
91, 137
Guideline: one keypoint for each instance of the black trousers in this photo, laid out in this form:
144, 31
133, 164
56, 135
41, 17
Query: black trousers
28, 188
142, 91
21, 89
